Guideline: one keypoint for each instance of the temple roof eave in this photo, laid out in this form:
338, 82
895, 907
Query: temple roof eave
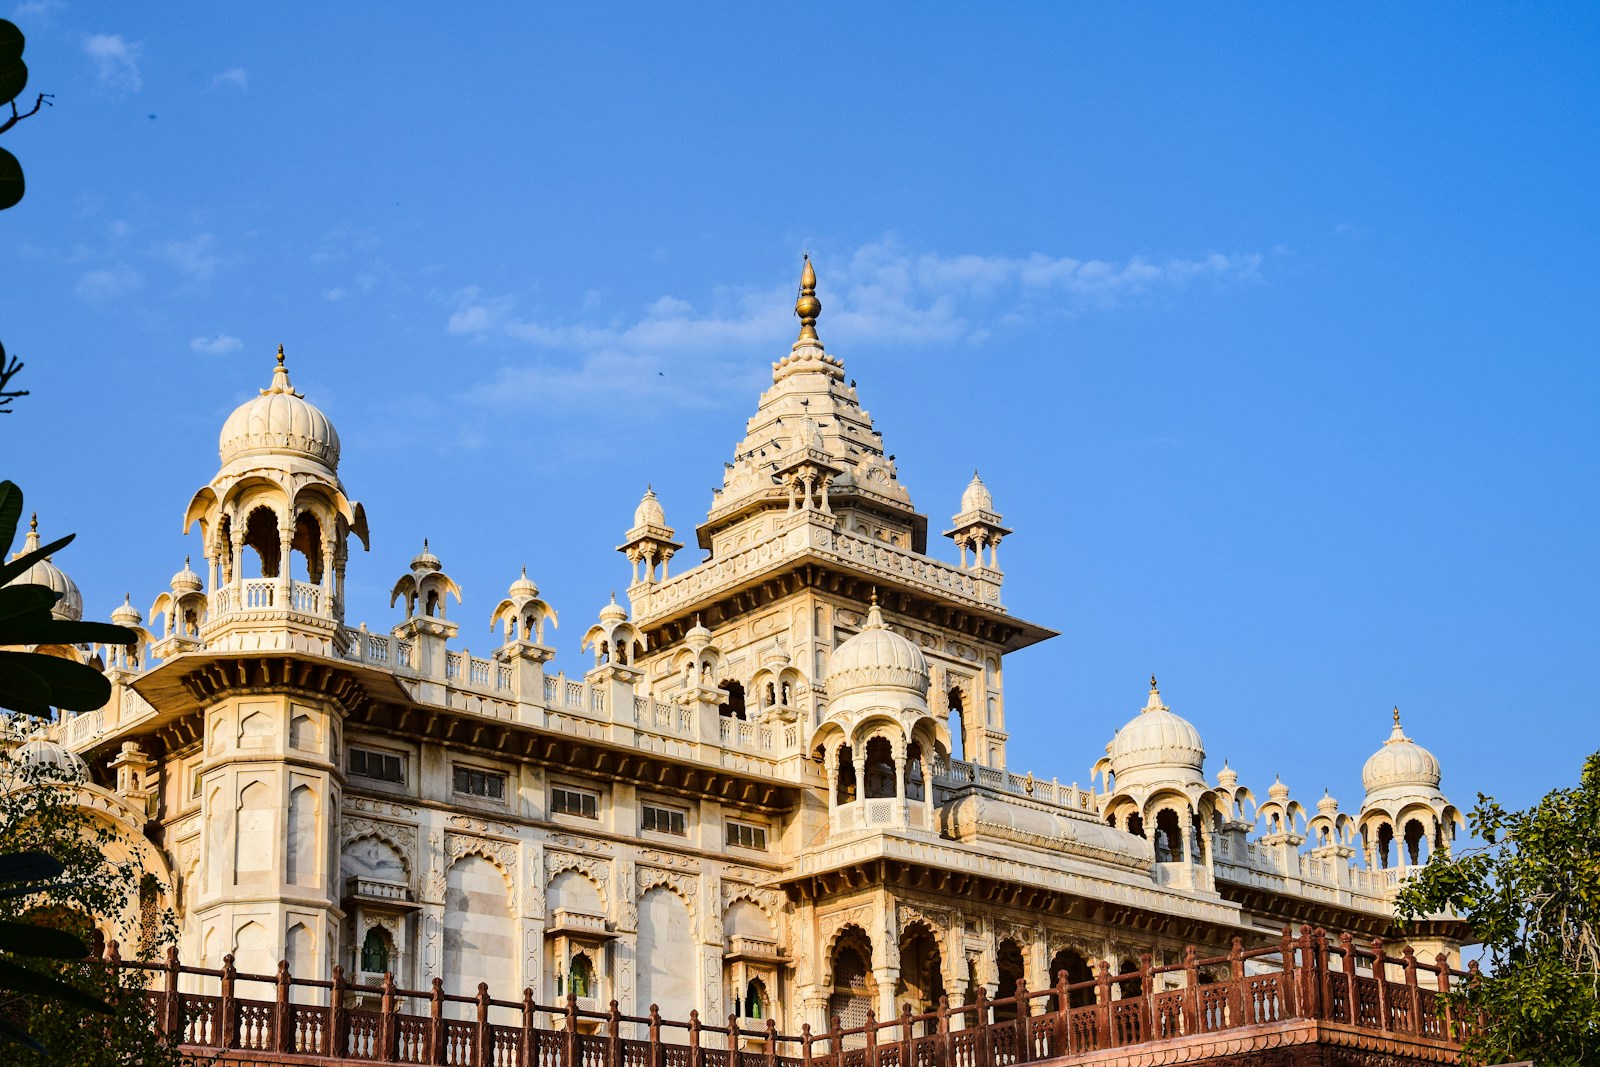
815, 566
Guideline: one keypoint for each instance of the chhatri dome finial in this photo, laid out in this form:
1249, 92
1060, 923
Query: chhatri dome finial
807, 306
280, 355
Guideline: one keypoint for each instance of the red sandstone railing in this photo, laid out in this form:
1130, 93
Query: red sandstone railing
336, 1019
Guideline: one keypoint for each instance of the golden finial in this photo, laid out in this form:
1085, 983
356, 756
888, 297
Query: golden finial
1152, 683
807, 306
33, 522
1397, 715
280, 355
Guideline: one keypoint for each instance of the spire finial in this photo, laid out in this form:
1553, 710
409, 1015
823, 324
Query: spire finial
280, 355
807, 306
424, 544
1152, 683
1397, 714
33, 522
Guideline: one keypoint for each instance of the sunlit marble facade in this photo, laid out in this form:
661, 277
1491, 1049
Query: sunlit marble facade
775, 783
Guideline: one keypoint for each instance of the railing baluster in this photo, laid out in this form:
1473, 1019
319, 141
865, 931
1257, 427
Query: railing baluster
1414, 998
1380, 971
226, 1006
482, 1036
437, 1052
282, 1012
1102, 991
528, 1051
174, 1004
943, 1051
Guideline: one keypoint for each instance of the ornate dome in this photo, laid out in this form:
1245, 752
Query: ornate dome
976, 497
523, 586
1327, 805
697, 635
126, 614
426, 560
1400, 762
69, 606
279, 422
68, 766
1156, 738
649, 512
877, 658
1277, 790
613, 612
186, 580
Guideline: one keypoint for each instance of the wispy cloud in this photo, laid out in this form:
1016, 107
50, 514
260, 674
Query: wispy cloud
237, 77
196, 258
220, 345
881, 293
116, 61
111, 283
37, 10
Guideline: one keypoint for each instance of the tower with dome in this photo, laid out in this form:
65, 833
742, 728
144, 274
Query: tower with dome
774, 783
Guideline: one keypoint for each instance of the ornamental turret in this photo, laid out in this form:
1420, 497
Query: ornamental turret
649, 542
977, 527
1404, 817
277, 494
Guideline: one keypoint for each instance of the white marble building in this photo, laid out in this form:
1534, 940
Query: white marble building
777, 786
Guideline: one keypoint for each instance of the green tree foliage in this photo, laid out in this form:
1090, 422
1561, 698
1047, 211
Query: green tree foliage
1531, 894
81, 1011
13, 79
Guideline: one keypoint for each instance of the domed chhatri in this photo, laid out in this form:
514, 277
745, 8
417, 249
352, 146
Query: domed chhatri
1400, 764
1156, 738
56, 763
279, 422
613, 612
426, 560
125, 613
69, 603
649, 512
877, 658
186, 580
977, 496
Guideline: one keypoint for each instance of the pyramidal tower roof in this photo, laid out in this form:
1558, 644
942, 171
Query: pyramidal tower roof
811, 414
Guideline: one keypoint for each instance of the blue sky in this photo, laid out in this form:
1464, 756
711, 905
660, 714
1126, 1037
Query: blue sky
1272, 328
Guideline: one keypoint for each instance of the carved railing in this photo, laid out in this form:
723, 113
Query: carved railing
1298, 978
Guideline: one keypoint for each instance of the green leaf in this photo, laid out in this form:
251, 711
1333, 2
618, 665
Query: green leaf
29, 867
16, 979
11, 41
20, 688
14, 567
10, 495
11, 189
68, 685
17, 600
28, 939
13, 79
45, 629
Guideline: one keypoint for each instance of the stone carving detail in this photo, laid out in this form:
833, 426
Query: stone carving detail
669, 859
712, 933
368, 806
433, 886
597, 871
401, 837
532, 880
713, 971
768, 900
630, 900
935, 919
686, 886
503, 854
581, 844
472, 825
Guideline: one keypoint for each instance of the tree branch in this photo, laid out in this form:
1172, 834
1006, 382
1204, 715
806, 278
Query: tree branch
8, 370
16, 116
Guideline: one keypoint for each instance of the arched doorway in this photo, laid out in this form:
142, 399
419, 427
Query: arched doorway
921, 981
1008, 960
1078, 971
854, 990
